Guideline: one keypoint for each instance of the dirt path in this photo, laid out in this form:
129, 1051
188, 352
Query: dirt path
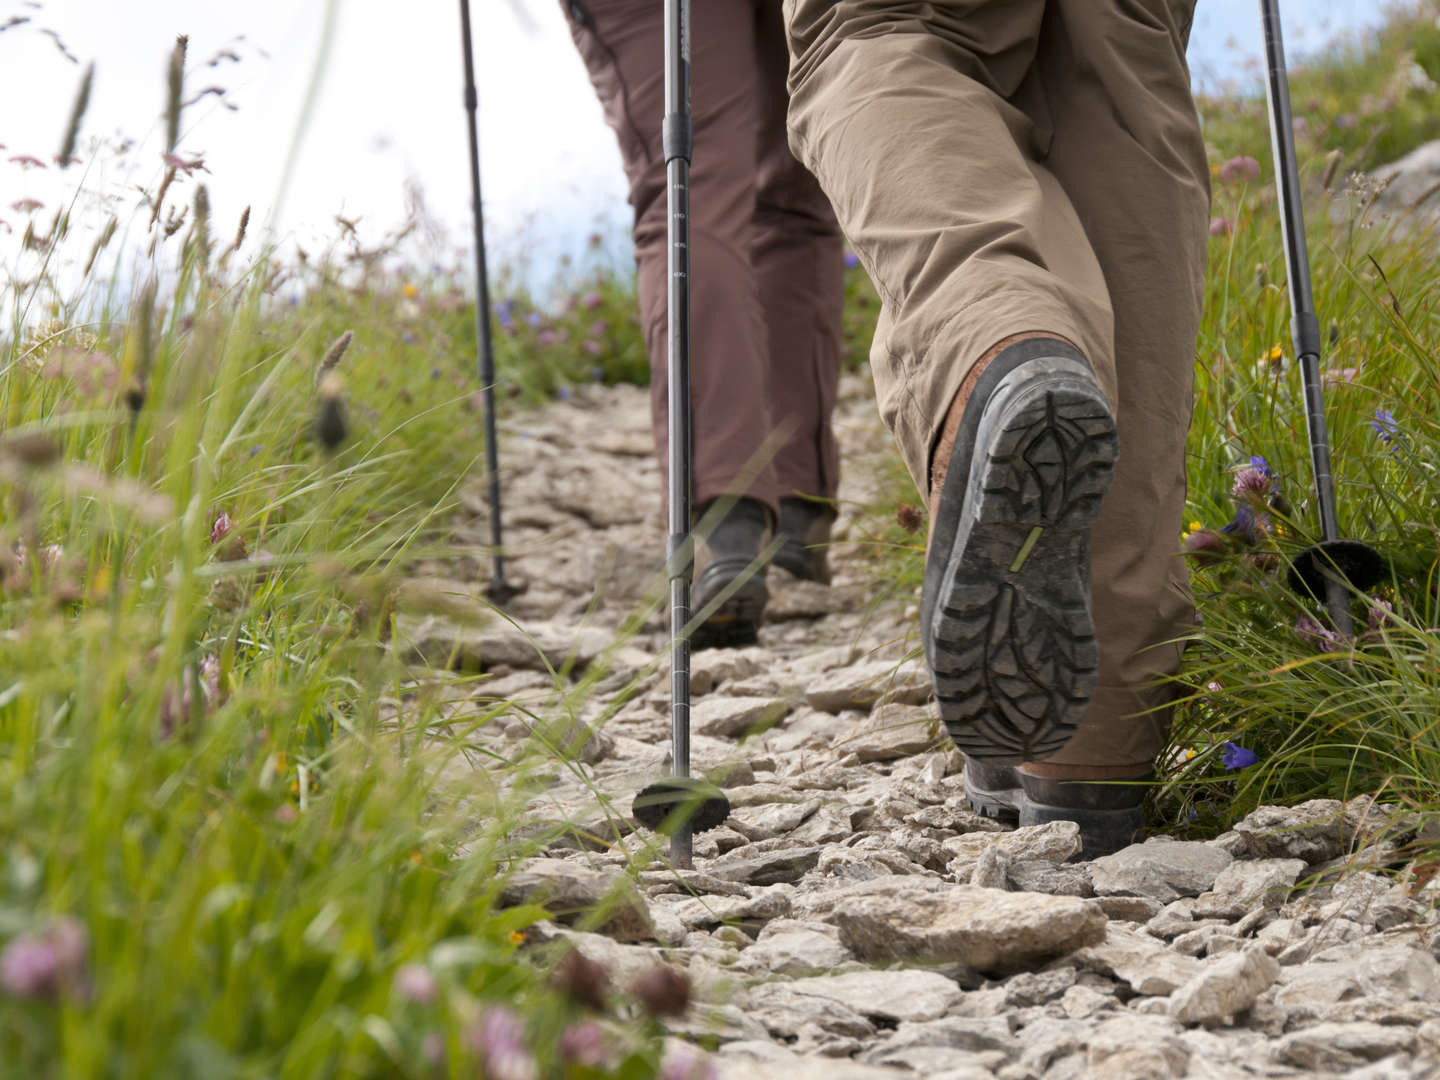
854, 918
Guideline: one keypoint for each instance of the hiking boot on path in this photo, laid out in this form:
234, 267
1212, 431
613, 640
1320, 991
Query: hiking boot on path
727, 560
805, 531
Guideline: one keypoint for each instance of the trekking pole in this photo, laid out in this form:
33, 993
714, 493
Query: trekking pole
500, 590
681, 806
1324, 568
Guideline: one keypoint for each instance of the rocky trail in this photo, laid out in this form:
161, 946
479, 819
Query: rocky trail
854, 919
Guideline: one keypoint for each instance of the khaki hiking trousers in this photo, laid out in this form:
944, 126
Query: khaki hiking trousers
766, 254
1003, 166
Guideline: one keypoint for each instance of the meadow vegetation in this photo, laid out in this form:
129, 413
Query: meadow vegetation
230, 842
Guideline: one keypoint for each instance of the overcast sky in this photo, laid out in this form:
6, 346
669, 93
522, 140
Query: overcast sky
390, 106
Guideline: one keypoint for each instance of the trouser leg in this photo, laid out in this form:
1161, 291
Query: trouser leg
622, 43
935, 133
797, 255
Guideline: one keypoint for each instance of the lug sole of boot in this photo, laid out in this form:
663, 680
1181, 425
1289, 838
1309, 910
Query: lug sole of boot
1102, 832
993, 792
1011, 639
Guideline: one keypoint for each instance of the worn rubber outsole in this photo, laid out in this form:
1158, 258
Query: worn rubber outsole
1108, 813
736, 622
1011, 640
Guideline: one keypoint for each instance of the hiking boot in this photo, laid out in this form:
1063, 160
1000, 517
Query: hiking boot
1110, 813
805, 529
1006, 606
727, 560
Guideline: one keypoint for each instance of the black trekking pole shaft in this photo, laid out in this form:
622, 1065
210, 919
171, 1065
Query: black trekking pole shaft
1304, 325
499, 588
676, 142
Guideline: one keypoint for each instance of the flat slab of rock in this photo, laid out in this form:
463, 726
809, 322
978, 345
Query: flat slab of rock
862, 685
767, 868
732, 717
1342, 1047
1247, 884
711, 911
1162, 871
891, 732
1313, 831
889, 996
923, 920
1137, 959
797, 949
1052, 842
572, 893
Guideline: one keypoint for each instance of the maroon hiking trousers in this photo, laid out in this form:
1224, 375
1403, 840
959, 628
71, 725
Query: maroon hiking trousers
765, 251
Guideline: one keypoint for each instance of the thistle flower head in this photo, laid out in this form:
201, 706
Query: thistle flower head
416, 982
663, 991
584, 1044
1321, 637
1251, 485
1240, 170
1205, 546
48, 963
498, 1038
582, 979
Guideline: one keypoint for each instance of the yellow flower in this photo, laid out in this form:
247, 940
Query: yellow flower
517, 937
1275, 354
410, 291
1194, 526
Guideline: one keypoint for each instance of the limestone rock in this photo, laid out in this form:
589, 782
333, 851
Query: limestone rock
1313, 831
572, 892
1356, 973
1338, 1047
767, 868
863, 685
788, 947
732, 717
887, 996
712, 911
892, 731
1052, 842
1226, 987
925, 921
1136, 1048
1161, 871
1246, 884
1137, 959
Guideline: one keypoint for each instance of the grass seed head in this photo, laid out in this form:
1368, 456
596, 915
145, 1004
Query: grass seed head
174, 85
333, 356
77, 113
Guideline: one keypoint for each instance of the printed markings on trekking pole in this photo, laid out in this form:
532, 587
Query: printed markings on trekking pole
1026, 548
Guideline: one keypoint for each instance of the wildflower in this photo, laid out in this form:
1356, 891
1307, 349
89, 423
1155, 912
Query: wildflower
498, 1037
221, 527
1322, 637
547, 338
1205, 546
48, 963
599, 328
416, 982
1222, 226
1247, 525
663, 991
909, 517
189, 165
562, 393
28, 161
1380, 615
535, 319
1258, 462
410, 291
1384, 425
584, 1044
591, 300
24, 206
1193, 527
1274, 356
505, 315
1251, 485
1240, 170
408, 337
684, 1062
1235, 757
597, 373
582, 979
851, 260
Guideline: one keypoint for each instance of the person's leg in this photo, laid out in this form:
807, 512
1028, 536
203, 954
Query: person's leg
622, 43
927, 131
797, 255
1129, 152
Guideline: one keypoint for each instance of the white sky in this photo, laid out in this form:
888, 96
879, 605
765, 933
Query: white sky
390, 107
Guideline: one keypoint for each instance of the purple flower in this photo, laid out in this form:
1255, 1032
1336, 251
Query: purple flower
48, 963
534, 319
1240, 169
683, 1062
593, 347
1222, 226
1322, 637
1258, 462
408, 337
1246, 525
1235, 757
498, 1037
597, 373
1380, 616
592, 300
1205, 546
416, 982
222, 526
563, 393
851, 260
547, 337
1384, 425
1251, 485
505, 314
584, 1044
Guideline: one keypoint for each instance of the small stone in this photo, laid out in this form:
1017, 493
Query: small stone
1313, 831
891, 732
796, 949
887, 996
990, 870
571, 892
1129, 908
864, 684
1341, 1047
1079, 1002
1137, 959
1246, 884
1161, 871
767, 868
1038, 987
1131, 1047
733, 717
1064, 879
1228, 986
